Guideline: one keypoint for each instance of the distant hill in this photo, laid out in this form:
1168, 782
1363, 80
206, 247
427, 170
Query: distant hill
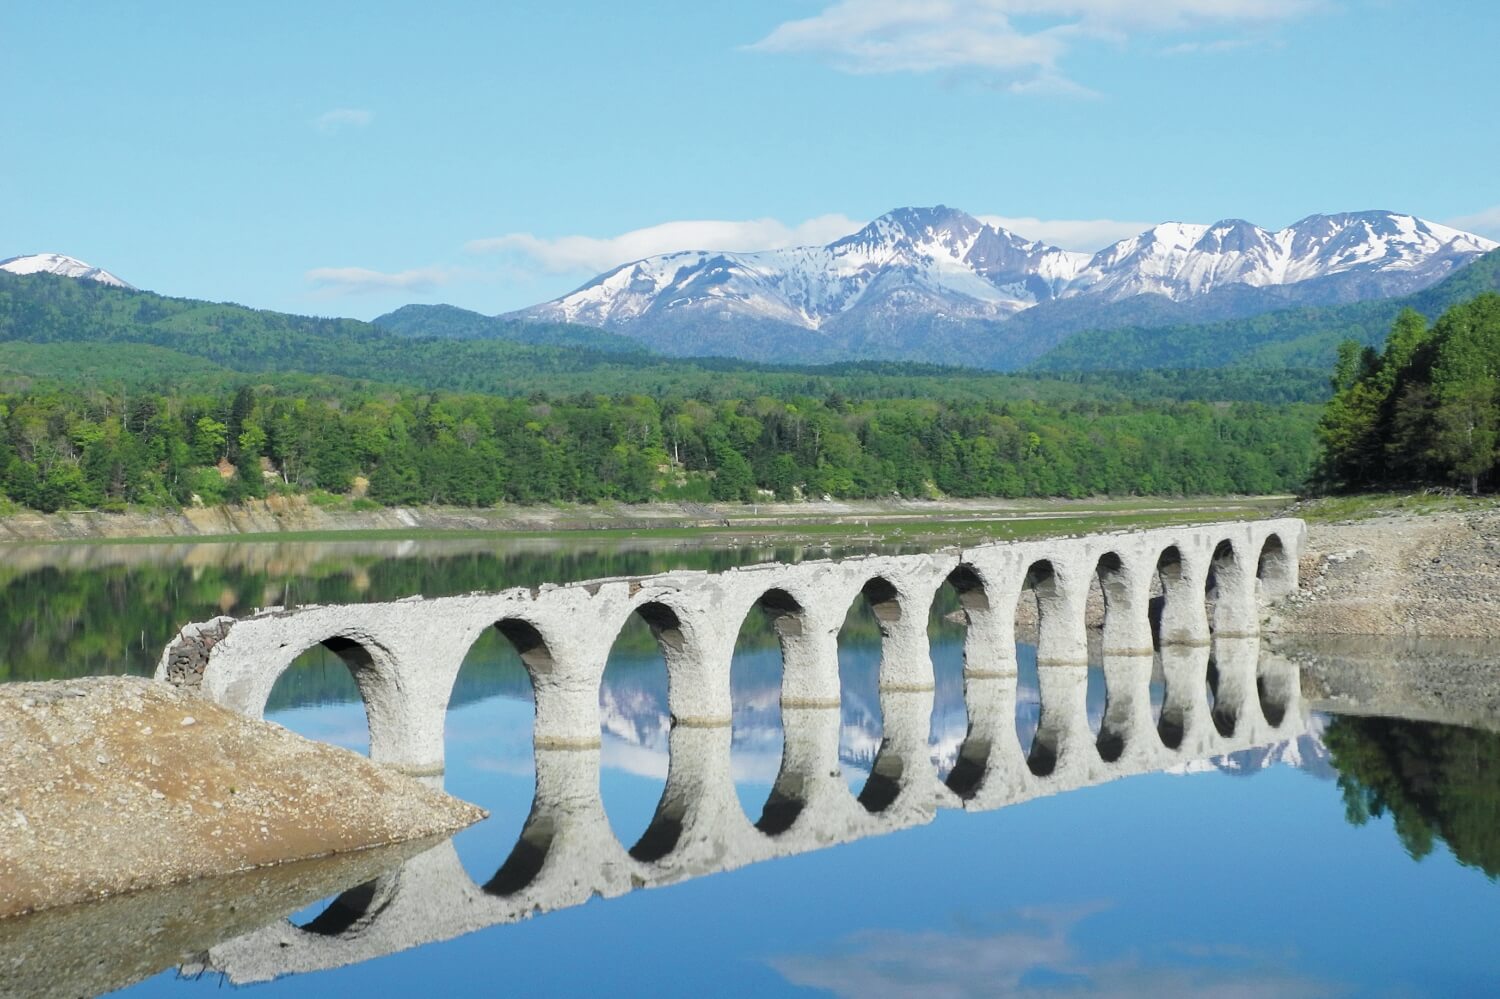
452, 323
137, 337
44, 308
1306, 337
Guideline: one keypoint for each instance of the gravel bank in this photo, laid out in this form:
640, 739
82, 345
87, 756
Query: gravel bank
110, 785
1411, 576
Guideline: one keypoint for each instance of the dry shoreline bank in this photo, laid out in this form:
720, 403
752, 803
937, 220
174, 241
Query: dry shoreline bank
1410, 576
279, 516
117, 784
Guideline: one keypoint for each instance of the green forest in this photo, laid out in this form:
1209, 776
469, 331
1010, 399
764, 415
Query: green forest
1424, 410
113, 398
68, 448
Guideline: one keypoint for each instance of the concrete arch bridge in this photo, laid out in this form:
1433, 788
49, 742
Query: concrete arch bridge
567, 853
1182, 603
405, 655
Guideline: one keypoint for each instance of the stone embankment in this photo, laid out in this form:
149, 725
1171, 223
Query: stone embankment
1428, 576
112, 785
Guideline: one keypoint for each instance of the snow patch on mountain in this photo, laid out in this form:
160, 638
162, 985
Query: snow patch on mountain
940, 262
61, 265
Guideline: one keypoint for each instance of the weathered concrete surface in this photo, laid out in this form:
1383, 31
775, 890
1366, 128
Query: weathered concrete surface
405, 655
110, 785
1411, 576
97, 947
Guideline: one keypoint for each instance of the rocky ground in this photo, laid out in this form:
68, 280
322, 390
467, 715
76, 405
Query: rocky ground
1436, 575
111, 785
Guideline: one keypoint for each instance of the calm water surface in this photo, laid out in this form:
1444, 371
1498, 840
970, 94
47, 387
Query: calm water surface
1356, 859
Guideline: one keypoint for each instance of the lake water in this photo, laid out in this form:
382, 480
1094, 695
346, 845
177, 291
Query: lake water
1354, 856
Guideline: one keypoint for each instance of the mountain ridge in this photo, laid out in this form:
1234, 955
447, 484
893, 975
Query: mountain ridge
63, 266
938, 284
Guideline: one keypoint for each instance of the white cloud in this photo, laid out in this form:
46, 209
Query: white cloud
1038, 955
1485, 223
919, 36
341, 118
1070, 234
564, 254
333, 281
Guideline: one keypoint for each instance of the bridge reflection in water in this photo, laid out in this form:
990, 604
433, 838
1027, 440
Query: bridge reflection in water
1221, 697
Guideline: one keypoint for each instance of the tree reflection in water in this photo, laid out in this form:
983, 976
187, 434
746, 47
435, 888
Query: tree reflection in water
1436, 782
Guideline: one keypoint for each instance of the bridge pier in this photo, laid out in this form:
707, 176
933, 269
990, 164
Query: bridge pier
699, 825
1127, 733
991, 770
1184, 578
903, 779
1126, 585
1184, 725
1063, 742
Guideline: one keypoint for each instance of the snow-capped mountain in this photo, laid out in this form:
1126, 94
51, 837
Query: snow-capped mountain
934, 254
901, 283
1180, 261
63, 266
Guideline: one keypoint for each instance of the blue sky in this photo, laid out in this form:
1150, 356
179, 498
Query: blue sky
346, 158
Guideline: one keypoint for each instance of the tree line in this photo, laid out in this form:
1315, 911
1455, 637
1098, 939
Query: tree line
70, 448
1424, 410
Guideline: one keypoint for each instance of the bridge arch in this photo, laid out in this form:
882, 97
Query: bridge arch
1232, 589
1127, 647
652, 670
373, 668
1059, 623
961, 631
1275, 569
490, 715
352, 910
765, 683
1179, 617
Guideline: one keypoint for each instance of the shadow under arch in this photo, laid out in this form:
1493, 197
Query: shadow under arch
526, 858
635, 709
1120, 609
356, 906
320, 675
663, 831
1226, 589
1040, 588
983, 664
1274, 568
862, 650
958, 621
1174, 609
493, 705
757, 681
1221, 711
1276, 689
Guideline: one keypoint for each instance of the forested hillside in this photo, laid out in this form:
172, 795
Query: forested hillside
144, 339
114, 397
68, 449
